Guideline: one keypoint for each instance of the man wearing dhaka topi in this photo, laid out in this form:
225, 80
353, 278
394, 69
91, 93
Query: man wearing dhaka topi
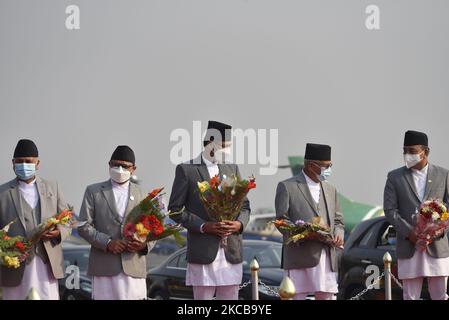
405, 190
312, 265
29, 200
212, 269
117, 266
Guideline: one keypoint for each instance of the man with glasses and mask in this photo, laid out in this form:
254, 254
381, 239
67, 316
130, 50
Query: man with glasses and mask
312, 265
406, 188
211, 269
117, 265
29, 200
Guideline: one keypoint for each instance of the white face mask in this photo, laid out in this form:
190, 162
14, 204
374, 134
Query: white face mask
222, 155
412, 160
119, 175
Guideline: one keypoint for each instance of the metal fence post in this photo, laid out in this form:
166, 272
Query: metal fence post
287, 289
387, 267
254, 266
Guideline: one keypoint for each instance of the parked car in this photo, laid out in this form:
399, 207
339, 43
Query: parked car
76, 252
160, 251
366, 245
75, 255
260, 228
167, 281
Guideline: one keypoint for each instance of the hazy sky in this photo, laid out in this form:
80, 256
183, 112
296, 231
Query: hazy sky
136, 70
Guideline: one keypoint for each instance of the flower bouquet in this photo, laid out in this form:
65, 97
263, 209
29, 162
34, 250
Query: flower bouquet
65, 218
146, 221
13, 250
302, 231
223, 198
431, 221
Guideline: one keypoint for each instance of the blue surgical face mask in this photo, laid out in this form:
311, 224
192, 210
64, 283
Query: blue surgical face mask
325, 174
25, 171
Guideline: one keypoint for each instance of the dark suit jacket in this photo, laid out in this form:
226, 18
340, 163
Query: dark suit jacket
202, 248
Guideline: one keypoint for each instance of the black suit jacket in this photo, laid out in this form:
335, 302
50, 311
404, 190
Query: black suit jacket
202, 248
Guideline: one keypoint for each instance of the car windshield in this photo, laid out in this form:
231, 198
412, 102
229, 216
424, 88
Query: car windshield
260, 224
78, 258
268, 256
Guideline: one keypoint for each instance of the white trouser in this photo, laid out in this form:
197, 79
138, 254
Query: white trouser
119, 287
437, 287
222, 292
36, 275
318, 296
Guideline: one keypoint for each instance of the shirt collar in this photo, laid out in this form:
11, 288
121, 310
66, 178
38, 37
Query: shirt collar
29, 185
309, 181
120, 186
208, 162
423, 171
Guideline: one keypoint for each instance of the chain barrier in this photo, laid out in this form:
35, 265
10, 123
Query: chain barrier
269, 289
274, 293
368, 288
245, 284
399, 284
371, 286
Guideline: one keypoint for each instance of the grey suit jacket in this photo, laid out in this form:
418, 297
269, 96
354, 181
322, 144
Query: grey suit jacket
202, 248
294, 201
51, 202
401, 201
103, 223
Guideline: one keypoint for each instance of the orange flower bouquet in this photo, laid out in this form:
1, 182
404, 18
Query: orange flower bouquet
302, 231
146, 221
65, 218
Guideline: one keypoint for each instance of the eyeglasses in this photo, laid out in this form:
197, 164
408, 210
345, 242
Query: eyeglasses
123, 165
321, 165
21, 160
412, 150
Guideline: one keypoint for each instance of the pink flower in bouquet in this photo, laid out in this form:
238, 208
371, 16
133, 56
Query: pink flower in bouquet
129, 230
431, 222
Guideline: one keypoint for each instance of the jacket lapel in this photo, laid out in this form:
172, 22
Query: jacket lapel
109, 196
326, 198
225, 170
202, 170
304, 188
204, 173
431, 177
133, 200
409, 178
42, 192
14, 191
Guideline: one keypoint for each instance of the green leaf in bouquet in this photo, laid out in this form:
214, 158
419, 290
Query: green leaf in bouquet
179, 239
176, 213
134, 214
